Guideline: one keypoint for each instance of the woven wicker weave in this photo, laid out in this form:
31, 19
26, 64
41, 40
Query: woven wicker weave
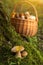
26, 27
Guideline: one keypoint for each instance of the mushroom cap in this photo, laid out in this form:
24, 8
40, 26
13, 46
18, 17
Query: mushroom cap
24, 54
27, 13
17, 48
17, 15
32, 17
13, 14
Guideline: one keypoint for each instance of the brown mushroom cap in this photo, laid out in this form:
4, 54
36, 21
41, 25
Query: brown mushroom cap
27, 13
24, 54
13, 14
17, 48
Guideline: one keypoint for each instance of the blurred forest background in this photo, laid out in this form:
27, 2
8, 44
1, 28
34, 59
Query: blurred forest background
35, 46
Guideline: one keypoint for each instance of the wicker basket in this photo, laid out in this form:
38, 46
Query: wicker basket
25, 27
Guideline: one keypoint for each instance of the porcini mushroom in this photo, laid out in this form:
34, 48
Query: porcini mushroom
13, 14
22, 16
27, 14
24, 54
17, 15
32, 17
17, 50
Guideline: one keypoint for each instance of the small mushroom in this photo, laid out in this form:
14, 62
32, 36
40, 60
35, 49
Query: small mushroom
17, 15
18, 50
27, 14
13, 14
24, 54
32, 17
22, 16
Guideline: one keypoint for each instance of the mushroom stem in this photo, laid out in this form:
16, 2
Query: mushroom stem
18, 55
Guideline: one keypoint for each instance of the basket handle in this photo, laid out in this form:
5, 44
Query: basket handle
18, 3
